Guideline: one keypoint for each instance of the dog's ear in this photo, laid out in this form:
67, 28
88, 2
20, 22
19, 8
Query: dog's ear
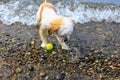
55, 25
53, 29
49, 32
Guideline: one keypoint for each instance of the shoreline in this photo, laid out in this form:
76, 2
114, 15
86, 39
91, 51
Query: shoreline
96, 57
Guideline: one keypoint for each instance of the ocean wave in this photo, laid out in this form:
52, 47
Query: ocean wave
86, 12
24, 11
18, 11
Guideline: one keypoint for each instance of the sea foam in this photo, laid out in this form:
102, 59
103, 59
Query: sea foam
24, 11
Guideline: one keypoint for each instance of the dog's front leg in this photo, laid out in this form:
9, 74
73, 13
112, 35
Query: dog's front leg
61, 41
43, 34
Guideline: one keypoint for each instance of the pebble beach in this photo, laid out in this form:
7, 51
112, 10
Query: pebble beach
94, 54
94, 44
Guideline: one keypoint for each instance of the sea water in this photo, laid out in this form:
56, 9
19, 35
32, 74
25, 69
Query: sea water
82, 11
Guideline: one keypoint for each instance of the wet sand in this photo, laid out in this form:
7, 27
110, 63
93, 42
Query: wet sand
94, 54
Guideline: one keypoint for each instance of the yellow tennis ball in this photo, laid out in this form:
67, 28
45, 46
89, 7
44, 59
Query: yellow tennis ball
49, 46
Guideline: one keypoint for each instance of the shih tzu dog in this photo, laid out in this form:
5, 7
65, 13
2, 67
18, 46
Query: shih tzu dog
51, 23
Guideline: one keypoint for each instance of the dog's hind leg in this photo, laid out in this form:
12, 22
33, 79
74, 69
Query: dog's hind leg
43, 34
61, 41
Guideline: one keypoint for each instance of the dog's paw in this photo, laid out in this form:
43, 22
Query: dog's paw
65, 48
43, 45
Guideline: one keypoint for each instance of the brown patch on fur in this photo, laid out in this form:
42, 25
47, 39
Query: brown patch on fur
46, 5
55, 25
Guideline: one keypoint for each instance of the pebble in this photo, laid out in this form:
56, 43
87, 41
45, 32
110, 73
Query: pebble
28, 52
42, 74
18, 70
49, 67
45, 63
1, 75
61, 76
30, 67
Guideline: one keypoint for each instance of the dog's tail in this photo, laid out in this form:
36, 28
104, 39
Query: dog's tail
46, 1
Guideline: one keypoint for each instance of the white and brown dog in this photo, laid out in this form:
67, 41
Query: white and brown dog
51, 23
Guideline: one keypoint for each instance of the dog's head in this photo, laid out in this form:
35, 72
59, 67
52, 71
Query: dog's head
62, 26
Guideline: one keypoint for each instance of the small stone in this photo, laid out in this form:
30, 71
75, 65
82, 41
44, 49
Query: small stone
97, 61
64, 60
118, 65
13, 40
8, 49
86, 58
42, 74
49, 67
61, 76
18, 31
18, 70
99, 30
112, 67
96, 51
28, 53
1, 75
6, 39
33, 42
30, 67
81, 67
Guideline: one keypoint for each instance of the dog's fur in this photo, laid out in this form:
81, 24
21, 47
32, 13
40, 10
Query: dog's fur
51, 23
